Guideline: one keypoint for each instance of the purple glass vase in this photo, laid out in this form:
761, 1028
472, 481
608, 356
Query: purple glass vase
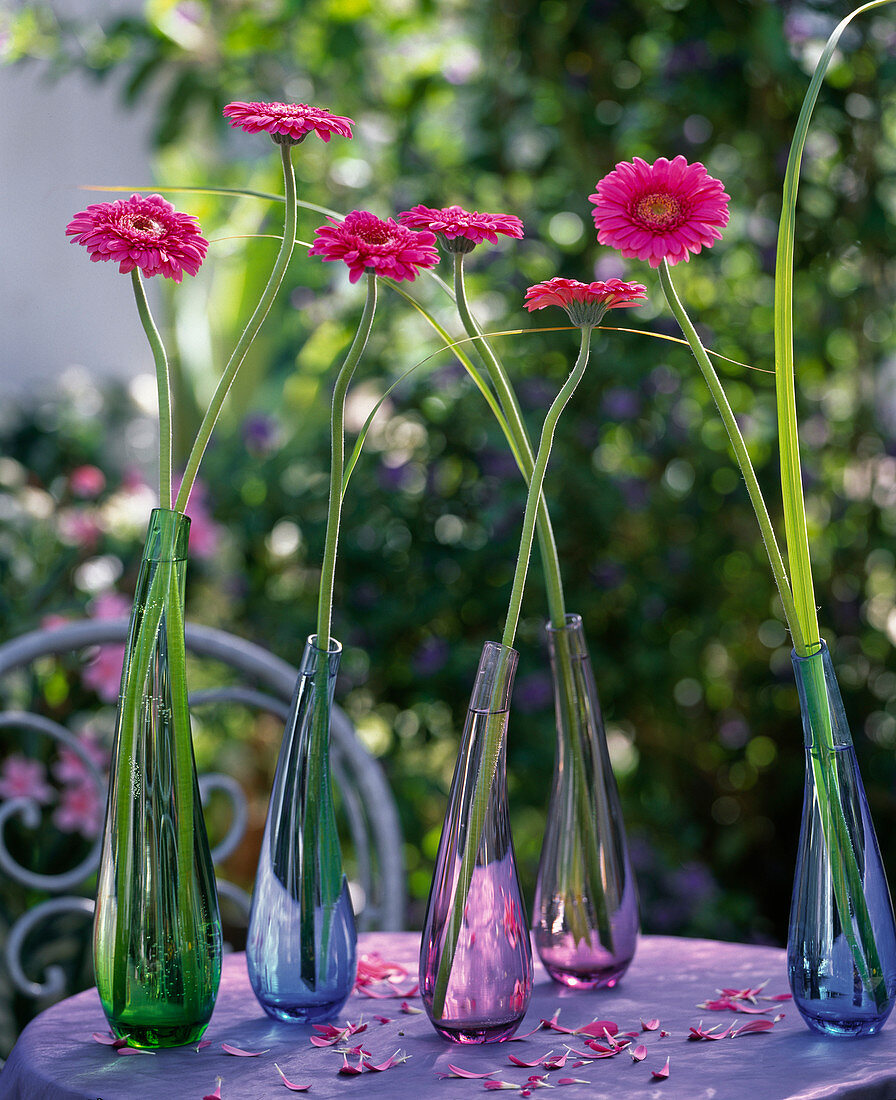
586, 902
475, 954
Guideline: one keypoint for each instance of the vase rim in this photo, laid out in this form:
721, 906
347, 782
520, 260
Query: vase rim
335, 645
822, 649
573, 622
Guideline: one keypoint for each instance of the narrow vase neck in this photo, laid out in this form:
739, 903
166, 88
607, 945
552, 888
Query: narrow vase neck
494, 679
167, 536
821, 705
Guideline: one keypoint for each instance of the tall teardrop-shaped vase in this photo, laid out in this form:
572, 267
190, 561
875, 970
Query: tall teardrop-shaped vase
841, 950
586, 903
157, 932
301, 942
475, 954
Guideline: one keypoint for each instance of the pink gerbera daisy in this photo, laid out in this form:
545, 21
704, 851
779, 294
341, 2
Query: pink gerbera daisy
365, 241
659, 211
144, 232
586, 303
287, 123
461, 230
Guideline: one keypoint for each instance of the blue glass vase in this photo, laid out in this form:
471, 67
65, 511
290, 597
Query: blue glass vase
301, 942
841, 950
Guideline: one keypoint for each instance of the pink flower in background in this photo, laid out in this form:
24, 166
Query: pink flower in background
70, 767
205, 534
80, 810
292, 121
660, 211
103, 674
141, 232
78, 528
87, 482
462, 229
365, 241
24, 778
585, 303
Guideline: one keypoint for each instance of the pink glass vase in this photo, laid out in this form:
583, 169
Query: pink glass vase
586, 904
475, 955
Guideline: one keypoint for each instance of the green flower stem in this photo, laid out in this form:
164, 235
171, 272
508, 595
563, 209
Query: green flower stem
535, 497
255, 321
163, 384
788, 435
180, 720
520, 444
740, 452
337, 465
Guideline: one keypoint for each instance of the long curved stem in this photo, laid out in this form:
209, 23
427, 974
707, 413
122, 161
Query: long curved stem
337, 464
248, 334
785, 385
520, 444
536, 481
163, 385
740, 452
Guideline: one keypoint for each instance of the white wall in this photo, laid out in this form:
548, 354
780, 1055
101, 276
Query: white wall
57, 309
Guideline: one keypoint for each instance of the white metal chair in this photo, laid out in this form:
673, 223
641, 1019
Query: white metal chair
265, 683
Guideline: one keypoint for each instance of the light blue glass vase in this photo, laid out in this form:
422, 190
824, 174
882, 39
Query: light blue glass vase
841, 950
301, 942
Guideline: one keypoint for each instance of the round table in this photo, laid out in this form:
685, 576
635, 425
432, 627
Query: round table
56, 1057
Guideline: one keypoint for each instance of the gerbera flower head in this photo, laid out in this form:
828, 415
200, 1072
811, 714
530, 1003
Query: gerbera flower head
461, 230
144, 232
585, 303
287, 123
659, 211
365, 241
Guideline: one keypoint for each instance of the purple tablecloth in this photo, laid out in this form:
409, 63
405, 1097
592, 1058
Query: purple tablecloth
57, 1059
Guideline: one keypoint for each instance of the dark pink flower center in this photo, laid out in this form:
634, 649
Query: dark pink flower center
374, 234
142, 223
658, 211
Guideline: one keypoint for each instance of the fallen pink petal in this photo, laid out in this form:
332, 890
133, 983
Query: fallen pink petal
779, 997
598, 1027
203, 1044
555, 1063
639, 1053
240, 1053
216, 1095
495, 1086
409, 1010
350, 1071
753, 1028
108, 1040
372, 967
397, 1058
132, 1050
528, 1065
572, 1081
468, 1074
661, 1074
291, 1085
649, 1025
700, 1032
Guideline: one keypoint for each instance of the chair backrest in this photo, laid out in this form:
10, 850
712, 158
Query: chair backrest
264, 683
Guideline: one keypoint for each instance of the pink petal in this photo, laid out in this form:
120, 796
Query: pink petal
216, 1095
228, 1049
456, 1071
329, 1031
109, 1040
350, 1071
753, 1027
409, 1010
290, 1084
661, 1074
494, 1086
639, 1053
397, 1058
204, 1043
527, 1065
572, 1081
649, 1025
383, 1019
597, 1027
555, 1063
132, 1050
780, 997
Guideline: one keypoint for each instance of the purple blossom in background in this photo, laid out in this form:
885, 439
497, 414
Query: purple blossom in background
430, 656
621, 404
24, 778
533, 692
261, 434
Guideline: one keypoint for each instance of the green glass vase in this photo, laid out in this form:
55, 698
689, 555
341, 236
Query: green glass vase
157, 931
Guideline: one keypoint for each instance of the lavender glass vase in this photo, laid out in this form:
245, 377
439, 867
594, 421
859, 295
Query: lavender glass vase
300, 949
586, 904
475, 954
841, 945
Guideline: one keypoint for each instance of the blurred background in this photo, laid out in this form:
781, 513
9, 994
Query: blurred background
514, 106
